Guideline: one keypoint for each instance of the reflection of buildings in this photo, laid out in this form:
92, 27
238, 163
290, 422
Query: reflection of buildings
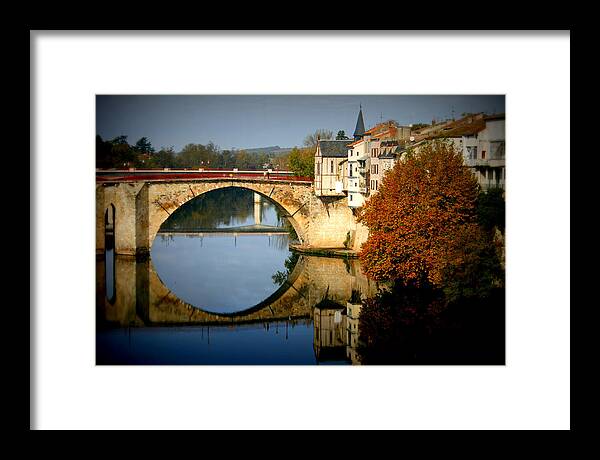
336, 331
329, 339
352, 314
141, 300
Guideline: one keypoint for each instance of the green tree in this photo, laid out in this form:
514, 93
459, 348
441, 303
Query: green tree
341, 135
302, 162
104, 157
116, 153
124, 156
119, 140
227, 159
198, 156
281, 277
164, 158
143, 145
491, 209
242, 159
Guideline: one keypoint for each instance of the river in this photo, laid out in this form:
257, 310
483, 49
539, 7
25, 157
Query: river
221, 286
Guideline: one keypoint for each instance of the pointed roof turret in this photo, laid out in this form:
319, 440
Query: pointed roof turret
359, 131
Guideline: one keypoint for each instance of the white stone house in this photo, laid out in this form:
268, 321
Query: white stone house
330, 161
481, 139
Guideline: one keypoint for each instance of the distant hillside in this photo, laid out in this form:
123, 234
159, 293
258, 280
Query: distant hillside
274, 149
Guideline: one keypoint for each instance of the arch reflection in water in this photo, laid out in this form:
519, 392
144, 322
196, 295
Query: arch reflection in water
149, 324
220, 250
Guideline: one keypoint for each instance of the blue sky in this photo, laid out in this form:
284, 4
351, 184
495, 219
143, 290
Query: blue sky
258, 121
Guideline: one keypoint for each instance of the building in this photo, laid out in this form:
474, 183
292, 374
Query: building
481, 139
371, 154
386, 149
356, 168
330, 161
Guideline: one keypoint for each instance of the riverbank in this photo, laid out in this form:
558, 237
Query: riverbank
325, 252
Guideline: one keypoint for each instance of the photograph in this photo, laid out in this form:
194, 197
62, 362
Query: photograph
317, 229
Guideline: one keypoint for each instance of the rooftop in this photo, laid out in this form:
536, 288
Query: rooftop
466, 126
334, 148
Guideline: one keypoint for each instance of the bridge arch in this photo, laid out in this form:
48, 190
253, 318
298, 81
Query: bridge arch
142, 205
166, 198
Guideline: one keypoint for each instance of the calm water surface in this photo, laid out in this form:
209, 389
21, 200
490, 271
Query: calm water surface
222, 287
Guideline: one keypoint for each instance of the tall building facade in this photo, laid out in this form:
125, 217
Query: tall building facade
330, 172
371, 154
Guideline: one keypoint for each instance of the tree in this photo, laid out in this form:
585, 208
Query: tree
281, 277
164, 158
421, 218
119, 140
104, 157
143, 145
341, 135
243, 159
491, 209
323, 134
198, 155
123, 155
302, 161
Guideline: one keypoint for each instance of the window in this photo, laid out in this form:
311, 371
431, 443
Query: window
376, 184
482, 153
318, 169
331, 169
472, 153
350, 197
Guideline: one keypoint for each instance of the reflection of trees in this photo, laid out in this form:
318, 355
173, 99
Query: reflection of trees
166, 239
419, 326
280, 242
228, 207
281, 276
211, 210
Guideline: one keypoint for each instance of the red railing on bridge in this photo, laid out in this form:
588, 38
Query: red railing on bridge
216, 173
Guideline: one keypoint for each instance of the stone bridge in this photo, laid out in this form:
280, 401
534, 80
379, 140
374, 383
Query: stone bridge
141, 206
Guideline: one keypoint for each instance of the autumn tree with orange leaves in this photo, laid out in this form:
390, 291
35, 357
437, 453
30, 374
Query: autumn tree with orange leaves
422, 224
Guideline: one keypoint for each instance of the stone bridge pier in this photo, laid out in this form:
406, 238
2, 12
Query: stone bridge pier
139, 209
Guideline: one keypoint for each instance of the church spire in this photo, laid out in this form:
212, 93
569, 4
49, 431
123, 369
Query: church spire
359, 131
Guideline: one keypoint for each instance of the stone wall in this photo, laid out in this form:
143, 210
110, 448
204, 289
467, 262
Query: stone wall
123, 197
